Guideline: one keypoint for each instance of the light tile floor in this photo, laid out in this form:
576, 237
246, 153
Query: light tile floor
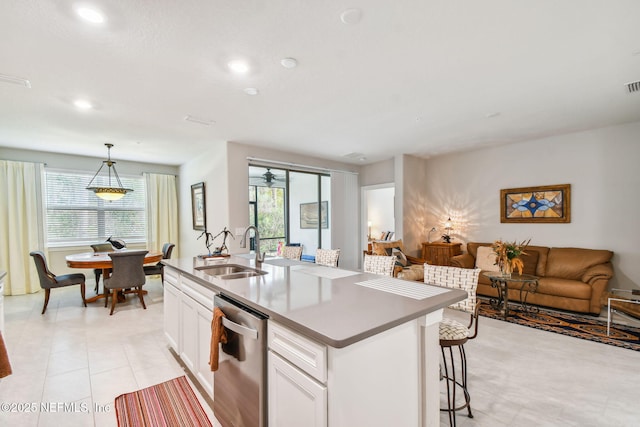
79, 359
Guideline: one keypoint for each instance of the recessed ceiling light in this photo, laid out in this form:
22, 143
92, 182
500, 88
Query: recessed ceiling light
238, 66
90, 15
199, 120
82, 104
289, 63
15, 80
351, 16
251, 91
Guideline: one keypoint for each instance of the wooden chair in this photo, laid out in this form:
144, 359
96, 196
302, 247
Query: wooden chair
455, 334
150, 270
128, 272
328, 257
48, 280
100, 247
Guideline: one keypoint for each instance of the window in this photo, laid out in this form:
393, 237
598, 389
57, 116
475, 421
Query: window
76, 216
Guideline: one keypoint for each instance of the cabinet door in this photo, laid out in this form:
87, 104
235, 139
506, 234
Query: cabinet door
172, 315
203, 369
188, 331
295, 399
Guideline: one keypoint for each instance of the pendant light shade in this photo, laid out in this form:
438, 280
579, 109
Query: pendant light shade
108, 192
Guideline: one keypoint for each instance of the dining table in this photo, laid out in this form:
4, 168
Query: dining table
102, 260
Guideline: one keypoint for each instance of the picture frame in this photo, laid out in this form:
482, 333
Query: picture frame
198, 206
309, 215
542, 204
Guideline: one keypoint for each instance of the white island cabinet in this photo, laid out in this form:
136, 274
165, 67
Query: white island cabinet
340, 353
379, 381
188, 309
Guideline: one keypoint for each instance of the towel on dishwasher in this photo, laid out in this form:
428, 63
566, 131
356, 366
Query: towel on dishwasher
5, 366
218, 335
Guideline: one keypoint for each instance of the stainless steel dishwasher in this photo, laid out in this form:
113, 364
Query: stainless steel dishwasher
240, 383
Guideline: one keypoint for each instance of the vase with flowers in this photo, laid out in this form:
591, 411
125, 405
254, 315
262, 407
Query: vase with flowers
508, 256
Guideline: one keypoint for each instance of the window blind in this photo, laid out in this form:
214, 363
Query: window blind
76, 216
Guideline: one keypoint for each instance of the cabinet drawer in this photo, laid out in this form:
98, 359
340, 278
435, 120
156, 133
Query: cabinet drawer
308, 355
201, 294
171, 275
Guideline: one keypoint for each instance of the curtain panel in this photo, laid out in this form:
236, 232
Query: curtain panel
19, 224
162, 211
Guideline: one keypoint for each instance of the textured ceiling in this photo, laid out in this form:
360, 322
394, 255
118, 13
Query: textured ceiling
419, 77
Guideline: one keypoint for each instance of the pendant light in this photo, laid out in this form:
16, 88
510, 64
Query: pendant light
108, 192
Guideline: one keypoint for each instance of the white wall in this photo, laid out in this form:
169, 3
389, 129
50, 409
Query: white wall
224, 169
602, 166
380, 210
210, 168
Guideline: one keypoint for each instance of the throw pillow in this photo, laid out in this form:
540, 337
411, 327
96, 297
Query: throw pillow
401, 259
380, 248
530, 261
486, 259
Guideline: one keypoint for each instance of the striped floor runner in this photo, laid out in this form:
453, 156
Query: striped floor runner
172, 403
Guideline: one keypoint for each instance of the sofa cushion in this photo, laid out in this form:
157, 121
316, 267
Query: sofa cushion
380, 248
572, 263
486, 259
564, 288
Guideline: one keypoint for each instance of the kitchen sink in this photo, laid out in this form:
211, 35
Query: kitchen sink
230, 271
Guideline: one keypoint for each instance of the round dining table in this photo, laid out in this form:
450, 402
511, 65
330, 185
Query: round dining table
103, 261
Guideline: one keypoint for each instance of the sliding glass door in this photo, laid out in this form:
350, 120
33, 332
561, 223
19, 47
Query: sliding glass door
290, 207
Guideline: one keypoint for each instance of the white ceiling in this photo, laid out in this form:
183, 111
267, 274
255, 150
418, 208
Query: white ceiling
420, 77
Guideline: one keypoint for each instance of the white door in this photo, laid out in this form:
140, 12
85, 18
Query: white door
203, 371
189, 331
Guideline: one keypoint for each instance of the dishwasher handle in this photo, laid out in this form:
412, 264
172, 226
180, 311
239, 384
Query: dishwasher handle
239, 329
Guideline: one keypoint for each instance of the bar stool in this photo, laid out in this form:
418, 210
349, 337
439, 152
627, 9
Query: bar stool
455, 334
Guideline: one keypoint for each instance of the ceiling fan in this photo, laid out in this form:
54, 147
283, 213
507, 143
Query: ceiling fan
268, 178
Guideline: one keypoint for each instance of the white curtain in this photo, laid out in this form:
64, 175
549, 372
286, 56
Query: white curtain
19, 225
345, 230
162, 211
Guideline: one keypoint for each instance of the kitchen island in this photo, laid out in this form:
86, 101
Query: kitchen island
345, 348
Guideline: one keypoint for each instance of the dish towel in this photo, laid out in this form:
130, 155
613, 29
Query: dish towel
5, 366
218, 335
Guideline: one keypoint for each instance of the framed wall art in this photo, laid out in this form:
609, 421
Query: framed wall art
546, 204
309, 215
198, 207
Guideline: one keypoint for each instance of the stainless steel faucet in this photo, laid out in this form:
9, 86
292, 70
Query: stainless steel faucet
243, 243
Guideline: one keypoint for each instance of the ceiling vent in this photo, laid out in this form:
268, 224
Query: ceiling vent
633, 87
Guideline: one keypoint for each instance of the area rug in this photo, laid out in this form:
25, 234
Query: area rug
574, 325
171, 403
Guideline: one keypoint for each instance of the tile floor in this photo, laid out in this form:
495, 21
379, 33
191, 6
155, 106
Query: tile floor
518, 376
82, 356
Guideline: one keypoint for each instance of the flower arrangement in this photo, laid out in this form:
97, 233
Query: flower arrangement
508, 255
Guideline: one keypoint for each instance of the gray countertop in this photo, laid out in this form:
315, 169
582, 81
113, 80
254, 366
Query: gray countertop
323, 303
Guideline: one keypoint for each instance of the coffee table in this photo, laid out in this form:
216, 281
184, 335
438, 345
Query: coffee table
527, 283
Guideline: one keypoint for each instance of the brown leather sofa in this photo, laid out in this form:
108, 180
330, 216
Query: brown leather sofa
571, 279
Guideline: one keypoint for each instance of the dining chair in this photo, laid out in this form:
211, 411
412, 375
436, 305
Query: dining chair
100, 247
48, 280
128, 272
454, 333
379, 264
158, 268
292, 252
328, 257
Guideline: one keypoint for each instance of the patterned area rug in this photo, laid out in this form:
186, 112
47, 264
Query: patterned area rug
575, 325
172, 403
